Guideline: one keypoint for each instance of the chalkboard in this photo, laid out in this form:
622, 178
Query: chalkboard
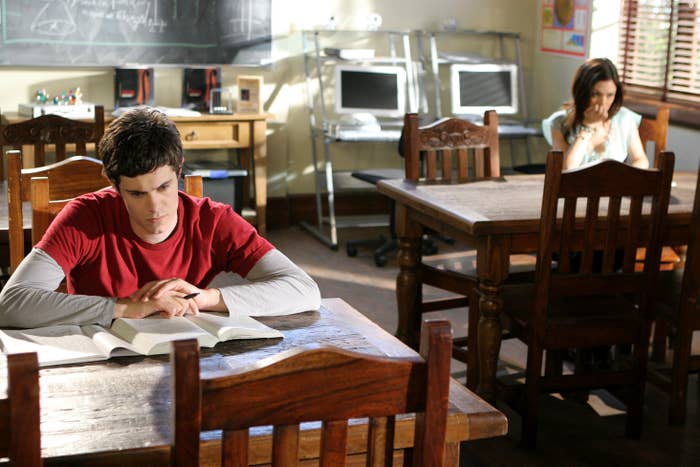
121, 32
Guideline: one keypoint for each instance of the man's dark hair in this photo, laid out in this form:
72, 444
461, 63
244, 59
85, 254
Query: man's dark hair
138, 142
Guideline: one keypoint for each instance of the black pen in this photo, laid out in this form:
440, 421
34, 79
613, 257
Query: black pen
190, 295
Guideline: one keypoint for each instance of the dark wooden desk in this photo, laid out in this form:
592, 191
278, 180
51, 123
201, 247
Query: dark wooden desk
498, 218
245, 132
123, 405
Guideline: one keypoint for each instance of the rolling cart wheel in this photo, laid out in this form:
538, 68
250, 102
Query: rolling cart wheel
351, 251
380, 260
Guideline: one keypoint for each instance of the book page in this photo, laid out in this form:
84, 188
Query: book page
108, 343
227, 326
152, 335
54, 345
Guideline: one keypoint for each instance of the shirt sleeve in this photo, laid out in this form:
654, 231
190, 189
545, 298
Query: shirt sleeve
274, 286
29, 299
553, 121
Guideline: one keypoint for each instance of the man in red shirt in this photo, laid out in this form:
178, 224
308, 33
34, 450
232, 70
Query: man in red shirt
141, 246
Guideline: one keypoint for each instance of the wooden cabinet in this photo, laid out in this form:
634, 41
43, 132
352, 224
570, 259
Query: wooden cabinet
244, 132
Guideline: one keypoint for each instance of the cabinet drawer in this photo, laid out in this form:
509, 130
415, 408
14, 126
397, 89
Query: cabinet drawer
214, 135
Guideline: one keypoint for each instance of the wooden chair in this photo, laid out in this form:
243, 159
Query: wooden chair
20, 437
431, 152
45, 207
579, 307
70, 178
52, 130
679, 307
655, 131
315, 384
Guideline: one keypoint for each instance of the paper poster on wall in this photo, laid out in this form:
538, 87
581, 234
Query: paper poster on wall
565, 27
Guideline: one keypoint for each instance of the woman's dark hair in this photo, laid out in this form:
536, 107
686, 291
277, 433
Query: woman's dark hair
588, 74
138, 142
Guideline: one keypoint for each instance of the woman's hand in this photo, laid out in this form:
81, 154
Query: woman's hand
595, 114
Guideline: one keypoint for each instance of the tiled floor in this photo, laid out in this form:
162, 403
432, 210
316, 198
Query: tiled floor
571, 433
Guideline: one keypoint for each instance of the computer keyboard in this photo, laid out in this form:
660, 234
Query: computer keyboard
366, 135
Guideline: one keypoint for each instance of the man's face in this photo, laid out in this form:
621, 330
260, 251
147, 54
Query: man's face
151, 200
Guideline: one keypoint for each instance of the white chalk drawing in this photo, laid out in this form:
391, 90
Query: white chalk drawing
54, 19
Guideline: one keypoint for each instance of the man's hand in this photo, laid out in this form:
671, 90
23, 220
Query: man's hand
206, 299
168, 306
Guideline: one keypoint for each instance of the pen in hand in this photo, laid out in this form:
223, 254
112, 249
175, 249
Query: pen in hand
190, 295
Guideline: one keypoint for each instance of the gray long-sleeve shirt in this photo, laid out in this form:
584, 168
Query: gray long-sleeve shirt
274, 286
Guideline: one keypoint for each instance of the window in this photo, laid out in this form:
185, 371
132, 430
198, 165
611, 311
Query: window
659, 52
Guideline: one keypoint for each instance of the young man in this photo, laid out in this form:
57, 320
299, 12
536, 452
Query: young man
141, 246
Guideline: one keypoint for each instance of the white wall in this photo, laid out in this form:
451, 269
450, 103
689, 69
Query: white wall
547, 77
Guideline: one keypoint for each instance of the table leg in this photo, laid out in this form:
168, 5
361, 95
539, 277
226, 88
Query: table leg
408, 284
492, 267
260, 170
257, 153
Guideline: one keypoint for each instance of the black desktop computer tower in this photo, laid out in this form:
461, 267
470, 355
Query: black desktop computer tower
197, 84
133, 86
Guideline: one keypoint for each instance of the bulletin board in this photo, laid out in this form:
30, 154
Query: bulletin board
565, 27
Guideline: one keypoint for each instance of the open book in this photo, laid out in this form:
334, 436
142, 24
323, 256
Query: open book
57, 345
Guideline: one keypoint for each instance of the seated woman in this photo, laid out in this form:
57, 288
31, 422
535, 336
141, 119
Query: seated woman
595, 125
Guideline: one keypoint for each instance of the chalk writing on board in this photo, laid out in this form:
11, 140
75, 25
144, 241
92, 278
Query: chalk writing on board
127, 31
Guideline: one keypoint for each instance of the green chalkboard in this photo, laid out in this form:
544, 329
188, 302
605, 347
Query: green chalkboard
123, 32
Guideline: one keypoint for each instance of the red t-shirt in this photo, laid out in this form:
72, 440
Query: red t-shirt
92, 240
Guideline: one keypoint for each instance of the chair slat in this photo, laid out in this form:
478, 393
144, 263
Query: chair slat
285, 445
333, 442
567, 228
462, 164
634, 219
234, 448
39, 154
480, 163
589, 234
446, 157
611, 236
60, 152
380, 441
430, 165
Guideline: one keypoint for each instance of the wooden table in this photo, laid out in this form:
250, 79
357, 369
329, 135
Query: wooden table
118, 412
245, 132
498, 218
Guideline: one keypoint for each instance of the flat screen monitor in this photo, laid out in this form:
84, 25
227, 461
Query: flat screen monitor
378, 90
478, 87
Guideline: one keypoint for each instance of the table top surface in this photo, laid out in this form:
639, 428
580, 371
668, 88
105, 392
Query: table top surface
507, 205
14, 117
124, 403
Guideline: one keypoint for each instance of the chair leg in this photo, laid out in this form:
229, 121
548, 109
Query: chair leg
472, 342
554, 363
635, 402
530, 417
679, 375
658, 352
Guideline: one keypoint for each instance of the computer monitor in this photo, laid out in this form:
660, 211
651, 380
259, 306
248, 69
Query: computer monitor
377, 90
478, 87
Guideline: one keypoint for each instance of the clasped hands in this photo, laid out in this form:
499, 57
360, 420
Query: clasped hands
166, 297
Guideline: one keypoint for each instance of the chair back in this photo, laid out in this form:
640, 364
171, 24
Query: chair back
45, 207
70, 178
655, 130
20, 437
602, 190
315, 384
53, 130
431, 151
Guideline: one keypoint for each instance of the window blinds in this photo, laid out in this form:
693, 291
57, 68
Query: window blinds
659, 50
